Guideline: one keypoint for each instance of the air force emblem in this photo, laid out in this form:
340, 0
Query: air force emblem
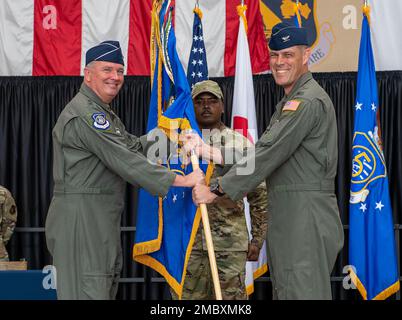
320, 37
100, 121
275, 11
368, 165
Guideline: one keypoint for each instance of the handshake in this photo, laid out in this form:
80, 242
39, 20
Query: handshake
195, 146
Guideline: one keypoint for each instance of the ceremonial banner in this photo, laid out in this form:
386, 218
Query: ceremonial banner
166, 227
50, 37
372, 251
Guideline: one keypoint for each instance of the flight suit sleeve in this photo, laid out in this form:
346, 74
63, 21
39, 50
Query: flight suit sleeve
112, 149
272, 150
156, 146
258, 201
235, 148
134, 143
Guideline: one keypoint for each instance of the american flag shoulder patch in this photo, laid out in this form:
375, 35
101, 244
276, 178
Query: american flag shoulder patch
291, 105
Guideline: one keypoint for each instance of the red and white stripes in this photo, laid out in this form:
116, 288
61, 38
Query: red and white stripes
50, 37
221, 24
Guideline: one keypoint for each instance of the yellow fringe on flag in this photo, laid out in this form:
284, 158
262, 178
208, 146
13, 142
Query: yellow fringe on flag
241, 11
170, 126
140, 252
256, 274
381, 296
144, 248
155, 36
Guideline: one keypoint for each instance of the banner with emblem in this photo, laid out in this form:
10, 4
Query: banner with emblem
334, 30
166, 227
372, 253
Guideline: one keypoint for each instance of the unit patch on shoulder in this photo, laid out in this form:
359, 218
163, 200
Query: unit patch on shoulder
100, 121
291, 105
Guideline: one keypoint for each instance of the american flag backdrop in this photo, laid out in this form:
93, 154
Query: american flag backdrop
197, 69
50, 37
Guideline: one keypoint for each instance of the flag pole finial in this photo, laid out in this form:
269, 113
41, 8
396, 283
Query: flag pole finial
241, 11
366, 10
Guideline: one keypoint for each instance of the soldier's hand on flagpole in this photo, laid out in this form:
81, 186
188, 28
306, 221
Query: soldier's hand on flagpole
253, 252
202, 194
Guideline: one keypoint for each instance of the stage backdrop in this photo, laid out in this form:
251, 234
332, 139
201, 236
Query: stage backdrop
50, 37
29, 107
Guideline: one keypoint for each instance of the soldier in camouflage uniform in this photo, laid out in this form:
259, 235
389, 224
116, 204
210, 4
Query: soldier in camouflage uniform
8, 219
227, 218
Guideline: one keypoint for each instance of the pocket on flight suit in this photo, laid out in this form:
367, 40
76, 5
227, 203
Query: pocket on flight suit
97, 286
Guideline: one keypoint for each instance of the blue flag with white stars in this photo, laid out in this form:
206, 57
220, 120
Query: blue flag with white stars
166, 226
197, 69
372, 253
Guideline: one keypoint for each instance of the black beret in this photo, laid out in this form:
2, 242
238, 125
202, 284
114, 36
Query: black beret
285, 35
105, 51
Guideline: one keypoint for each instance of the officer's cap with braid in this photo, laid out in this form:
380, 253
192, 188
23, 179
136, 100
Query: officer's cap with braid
105, 51
285, 35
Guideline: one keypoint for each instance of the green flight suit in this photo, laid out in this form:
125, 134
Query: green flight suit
93, 157
297, 155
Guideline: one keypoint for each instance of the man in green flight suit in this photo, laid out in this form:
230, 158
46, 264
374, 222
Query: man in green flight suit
298, 155
227, 217
93, 157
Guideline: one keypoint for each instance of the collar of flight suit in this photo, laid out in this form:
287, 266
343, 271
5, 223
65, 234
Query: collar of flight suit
90, 94
299, 83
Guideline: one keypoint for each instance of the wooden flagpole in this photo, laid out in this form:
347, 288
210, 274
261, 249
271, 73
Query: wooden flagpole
208, 237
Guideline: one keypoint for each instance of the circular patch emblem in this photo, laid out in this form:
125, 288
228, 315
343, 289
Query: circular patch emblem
100, 121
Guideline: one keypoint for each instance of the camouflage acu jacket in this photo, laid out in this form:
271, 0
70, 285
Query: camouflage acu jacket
227, 217
8, 219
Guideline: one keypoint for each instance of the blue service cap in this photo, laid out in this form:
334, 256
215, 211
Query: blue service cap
285, 35
105, 51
